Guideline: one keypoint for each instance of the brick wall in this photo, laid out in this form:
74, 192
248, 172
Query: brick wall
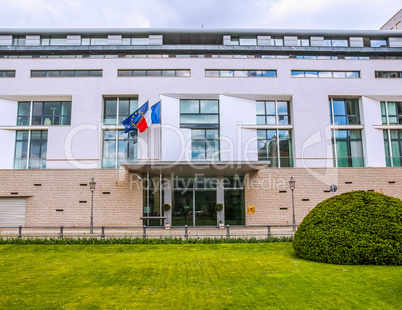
61, 190
267, 190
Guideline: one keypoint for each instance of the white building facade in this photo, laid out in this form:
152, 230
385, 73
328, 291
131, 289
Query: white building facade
237, 107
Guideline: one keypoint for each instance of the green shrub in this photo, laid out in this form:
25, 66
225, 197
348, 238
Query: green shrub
353, 228
219, 207
137, 240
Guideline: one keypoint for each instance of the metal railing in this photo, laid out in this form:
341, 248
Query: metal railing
184, 232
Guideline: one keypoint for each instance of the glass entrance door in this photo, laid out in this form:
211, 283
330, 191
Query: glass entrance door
194, 208
205, 214
182, 211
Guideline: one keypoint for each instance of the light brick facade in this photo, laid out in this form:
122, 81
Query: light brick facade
116, 203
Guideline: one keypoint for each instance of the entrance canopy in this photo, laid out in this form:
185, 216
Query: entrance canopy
205, 168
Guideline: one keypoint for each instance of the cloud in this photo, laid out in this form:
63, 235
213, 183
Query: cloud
271, 14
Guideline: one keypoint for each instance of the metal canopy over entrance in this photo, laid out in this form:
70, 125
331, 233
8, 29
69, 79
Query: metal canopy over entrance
191, 168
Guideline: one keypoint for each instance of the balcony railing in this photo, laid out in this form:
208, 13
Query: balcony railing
113, 163
29, 163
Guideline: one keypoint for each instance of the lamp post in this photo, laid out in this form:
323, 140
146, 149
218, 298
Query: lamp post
292, 187
92, 188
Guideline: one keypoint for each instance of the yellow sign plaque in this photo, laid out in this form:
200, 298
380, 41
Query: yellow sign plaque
251, 209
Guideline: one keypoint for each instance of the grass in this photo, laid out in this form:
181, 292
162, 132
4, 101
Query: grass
187, 276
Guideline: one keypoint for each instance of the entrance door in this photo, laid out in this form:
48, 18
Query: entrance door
194, 208
182, 212
204, 209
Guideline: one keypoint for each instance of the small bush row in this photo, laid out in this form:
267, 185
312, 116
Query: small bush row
137, 240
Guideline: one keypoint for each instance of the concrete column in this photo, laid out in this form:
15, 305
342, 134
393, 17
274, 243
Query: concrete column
373, 141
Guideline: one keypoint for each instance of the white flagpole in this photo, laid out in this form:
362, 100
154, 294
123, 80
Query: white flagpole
160, 132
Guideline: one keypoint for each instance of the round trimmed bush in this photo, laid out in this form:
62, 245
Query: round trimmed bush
353, 228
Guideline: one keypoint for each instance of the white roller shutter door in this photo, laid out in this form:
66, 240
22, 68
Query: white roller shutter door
12, 212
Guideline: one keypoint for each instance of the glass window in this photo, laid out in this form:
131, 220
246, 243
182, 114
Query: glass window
66, 73
391, 113
347, 148
388, 74
277, 41
275, 145
140, 40
344, 111
339, 74
24, 113
158, 73
297, 73
117, 109
240, 73
234, 40
339, 42
205, 144
46, 113
99, 41
352, 75
325, 74
199, 113
303, 42
202, 116
311, 74
273, 112
393, 147
378, 43
33, 143
7, 73
117, 146
19, 40
248, 40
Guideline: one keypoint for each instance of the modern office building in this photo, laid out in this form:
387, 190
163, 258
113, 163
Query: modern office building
242, 111
394, 23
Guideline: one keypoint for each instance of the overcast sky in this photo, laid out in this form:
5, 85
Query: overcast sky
270, 14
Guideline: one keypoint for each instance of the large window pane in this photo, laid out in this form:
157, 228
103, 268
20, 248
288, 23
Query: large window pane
209, 106
199, 119
24, 112
349, 148
189, 106
110, 112
346, 111
275, 112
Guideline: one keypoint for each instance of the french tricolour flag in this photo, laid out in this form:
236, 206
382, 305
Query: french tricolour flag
152, 116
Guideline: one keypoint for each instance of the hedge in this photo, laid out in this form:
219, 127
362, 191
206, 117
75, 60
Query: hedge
353, 228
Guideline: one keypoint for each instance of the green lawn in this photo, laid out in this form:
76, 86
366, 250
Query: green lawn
221, 276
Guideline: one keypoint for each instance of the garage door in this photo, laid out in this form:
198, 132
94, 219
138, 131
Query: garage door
12, 212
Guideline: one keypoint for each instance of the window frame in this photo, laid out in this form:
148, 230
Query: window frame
348, 140
131, 99
277, 115
42, 116
278, 140
131, 136
388, 147
28, 159
346, 115
200, 125
397, 116
208, 142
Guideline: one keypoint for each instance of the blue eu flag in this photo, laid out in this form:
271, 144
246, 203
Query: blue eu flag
132, 121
